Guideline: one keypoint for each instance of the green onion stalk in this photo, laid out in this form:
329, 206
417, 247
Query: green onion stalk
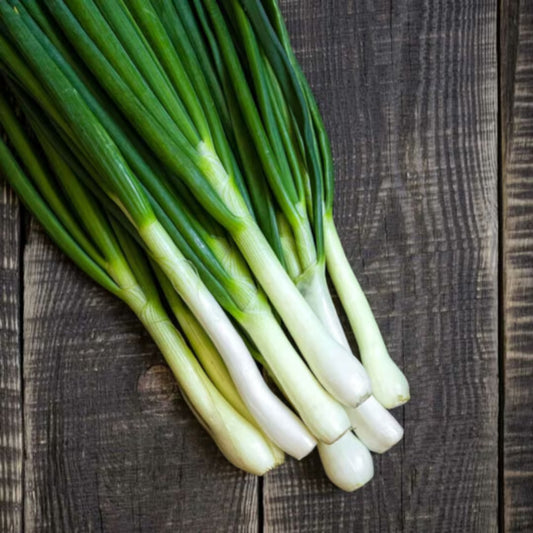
112, 258
191, 125
182, 137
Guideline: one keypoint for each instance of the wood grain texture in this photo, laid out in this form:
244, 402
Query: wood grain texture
409, 94
111, 446
11, 445
517, 192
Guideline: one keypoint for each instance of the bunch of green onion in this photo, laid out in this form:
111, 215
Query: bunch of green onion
174, 151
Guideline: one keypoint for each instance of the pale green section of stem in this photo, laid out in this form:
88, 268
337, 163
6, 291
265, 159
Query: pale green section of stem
220, 180
288, 246
242, 286
314, 288
389, 384
304, 239
226, 188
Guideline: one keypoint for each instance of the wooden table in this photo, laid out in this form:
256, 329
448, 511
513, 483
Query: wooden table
429, 105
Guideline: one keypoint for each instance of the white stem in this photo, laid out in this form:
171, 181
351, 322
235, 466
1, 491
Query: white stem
278, 422
211, 362
347, 463
375, 426
389, 384
335, 367
324, 416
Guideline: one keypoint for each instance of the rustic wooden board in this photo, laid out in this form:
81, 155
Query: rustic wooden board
11, 445
111, 446
409, 94
517, 172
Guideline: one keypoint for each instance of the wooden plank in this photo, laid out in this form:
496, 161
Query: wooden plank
517, 192
11, 443
111, 446
409, 94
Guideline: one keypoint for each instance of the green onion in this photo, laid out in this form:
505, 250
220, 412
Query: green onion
389, 384
181, 154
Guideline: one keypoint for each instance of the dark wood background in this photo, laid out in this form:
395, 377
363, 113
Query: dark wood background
429, 106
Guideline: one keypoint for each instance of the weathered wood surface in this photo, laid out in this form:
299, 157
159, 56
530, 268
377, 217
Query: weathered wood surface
517, 173
409, 91
11, 447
